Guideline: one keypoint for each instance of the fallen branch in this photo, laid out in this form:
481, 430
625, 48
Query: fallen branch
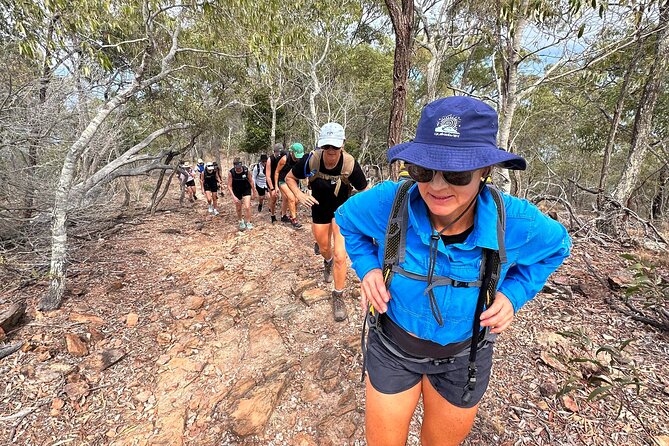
628, 309
9, 349
565, 203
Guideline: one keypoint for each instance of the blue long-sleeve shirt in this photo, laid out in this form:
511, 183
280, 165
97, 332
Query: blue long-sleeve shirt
535, 246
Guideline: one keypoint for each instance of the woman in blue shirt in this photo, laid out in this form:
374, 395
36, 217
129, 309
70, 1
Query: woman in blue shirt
421, 341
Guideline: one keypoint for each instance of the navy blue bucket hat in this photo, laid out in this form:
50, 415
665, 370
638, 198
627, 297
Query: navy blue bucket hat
456, 134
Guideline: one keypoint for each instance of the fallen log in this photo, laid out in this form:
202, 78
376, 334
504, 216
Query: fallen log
7, 350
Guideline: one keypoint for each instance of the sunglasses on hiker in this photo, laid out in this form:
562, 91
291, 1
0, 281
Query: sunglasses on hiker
330, 148
423, 175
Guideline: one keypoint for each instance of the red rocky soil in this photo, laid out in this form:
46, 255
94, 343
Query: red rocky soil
180, 329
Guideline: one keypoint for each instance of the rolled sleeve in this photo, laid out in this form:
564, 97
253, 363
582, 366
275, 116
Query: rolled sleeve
545, 250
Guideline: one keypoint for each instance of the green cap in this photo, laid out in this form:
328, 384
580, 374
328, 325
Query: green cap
297, 149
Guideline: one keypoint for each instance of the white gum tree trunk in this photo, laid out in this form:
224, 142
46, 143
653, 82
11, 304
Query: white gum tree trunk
54, 295
508, 87
644, 113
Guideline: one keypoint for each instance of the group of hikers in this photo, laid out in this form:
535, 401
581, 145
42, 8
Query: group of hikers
445, 259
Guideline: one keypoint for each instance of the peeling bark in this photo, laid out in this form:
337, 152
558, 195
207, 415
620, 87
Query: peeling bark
644, 113
401, 15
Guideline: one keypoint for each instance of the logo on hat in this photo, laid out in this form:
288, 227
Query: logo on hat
448, 126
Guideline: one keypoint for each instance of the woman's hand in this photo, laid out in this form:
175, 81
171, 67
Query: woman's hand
373, 290
500, 314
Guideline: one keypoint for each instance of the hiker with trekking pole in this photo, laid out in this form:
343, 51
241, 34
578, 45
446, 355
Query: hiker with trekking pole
445, 261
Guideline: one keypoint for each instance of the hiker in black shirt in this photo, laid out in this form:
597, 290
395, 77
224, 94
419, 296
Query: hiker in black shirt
241, 189
332, 174
210, 180
272, 164
295, 152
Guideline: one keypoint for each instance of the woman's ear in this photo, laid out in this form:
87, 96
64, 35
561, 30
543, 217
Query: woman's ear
485, 174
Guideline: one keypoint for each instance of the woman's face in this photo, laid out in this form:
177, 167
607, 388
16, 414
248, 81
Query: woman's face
446, 201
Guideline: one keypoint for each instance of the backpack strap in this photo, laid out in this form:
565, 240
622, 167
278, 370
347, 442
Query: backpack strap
315, 163
396, 232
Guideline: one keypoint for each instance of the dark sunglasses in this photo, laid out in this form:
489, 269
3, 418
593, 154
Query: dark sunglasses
423, 175
330, 148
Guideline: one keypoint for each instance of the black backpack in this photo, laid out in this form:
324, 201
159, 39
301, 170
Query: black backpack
394, 255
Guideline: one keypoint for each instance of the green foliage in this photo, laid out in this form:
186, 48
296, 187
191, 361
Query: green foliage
610, 371
648, 285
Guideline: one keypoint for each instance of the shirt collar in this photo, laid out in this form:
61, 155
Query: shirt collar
485, 219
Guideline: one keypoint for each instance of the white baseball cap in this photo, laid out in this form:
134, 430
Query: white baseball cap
332, 134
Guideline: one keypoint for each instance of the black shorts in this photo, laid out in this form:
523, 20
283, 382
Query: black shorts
261, 190
323, 213
390, 374
190, 183
241, 193
211, 187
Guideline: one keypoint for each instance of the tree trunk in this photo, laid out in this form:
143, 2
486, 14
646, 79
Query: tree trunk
660, 198
155, 198
606, 160
432, 77
401, 15
509, 89
644, 113
126, 194
315, 91
272, 134
52, 299
129, 156
45, 79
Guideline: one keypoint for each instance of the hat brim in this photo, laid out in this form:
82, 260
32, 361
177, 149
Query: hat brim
335, 142
454, 159
298, 155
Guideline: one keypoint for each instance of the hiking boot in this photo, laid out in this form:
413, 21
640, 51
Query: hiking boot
317, 249
215, 212
211, 209
296, 224
194, 197
249, 225
259, 207
273, 219
327, 270
338, 307
242, 225
285, 219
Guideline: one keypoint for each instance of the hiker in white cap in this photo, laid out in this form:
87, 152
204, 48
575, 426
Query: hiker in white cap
332, 174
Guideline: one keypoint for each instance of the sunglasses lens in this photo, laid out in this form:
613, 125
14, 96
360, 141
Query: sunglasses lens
420, 174
423, 175
458, 178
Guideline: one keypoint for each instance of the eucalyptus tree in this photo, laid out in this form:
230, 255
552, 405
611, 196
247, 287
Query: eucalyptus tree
130, 50
447, 29
402, 16
653, 87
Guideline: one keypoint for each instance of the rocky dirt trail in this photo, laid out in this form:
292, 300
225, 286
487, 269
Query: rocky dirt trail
182, 330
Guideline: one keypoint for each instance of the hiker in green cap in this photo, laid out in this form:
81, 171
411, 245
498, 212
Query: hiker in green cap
286, 163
